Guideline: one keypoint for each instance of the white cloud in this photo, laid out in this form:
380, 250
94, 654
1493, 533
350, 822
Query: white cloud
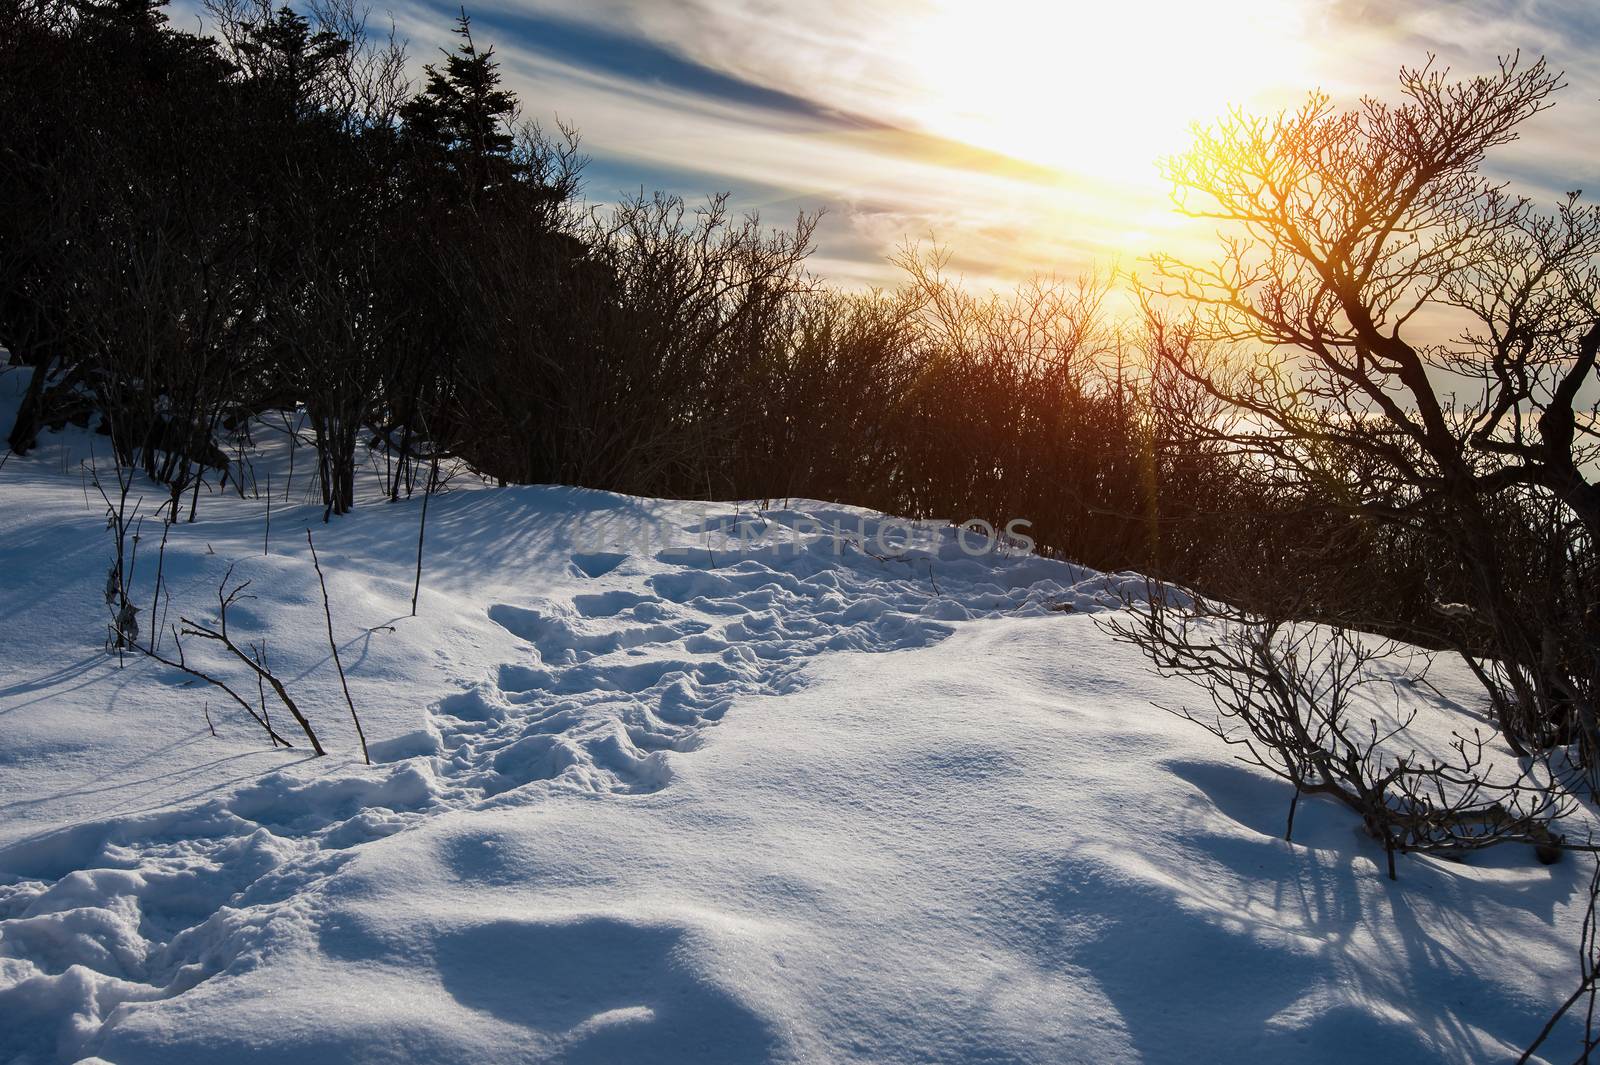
1002, 222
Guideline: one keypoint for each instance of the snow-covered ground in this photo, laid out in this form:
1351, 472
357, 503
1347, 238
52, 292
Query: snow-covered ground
647, 789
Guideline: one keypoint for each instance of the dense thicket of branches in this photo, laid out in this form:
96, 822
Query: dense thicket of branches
203, 229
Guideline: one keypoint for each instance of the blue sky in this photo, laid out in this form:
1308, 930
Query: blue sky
1022, 134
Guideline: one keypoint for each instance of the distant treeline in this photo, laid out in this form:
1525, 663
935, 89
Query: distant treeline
203, 229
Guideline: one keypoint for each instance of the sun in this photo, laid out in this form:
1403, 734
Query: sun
1097, 89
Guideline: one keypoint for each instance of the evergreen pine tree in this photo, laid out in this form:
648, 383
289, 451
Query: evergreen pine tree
288, 62
463, 116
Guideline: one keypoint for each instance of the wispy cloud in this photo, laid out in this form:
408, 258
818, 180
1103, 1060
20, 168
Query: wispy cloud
836, 104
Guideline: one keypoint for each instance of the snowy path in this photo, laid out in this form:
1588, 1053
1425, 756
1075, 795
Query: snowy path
637, 663
656, 652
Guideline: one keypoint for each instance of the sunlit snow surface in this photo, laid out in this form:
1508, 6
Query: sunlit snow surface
669, 782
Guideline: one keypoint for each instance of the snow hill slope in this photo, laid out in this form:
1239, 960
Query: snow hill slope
668, 782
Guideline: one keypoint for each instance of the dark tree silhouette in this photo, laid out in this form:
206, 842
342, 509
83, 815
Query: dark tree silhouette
1348, 228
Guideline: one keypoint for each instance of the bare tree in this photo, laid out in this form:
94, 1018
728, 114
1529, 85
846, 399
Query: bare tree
1344, 231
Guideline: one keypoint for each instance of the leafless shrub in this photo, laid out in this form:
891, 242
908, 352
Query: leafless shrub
183, 665
1296, 699
226, 597
333, 647
123, 523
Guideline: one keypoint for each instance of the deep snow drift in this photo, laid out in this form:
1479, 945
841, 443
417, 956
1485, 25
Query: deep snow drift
668, 782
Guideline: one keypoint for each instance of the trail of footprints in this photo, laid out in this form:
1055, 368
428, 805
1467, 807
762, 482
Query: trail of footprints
614, 680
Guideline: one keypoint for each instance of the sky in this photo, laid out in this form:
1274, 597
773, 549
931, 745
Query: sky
1022, 135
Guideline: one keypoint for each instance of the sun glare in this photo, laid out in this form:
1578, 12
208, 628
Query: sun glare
1097, 89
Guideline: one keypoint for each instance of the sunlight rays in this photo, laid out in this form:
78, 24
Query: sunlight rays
1101, 89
